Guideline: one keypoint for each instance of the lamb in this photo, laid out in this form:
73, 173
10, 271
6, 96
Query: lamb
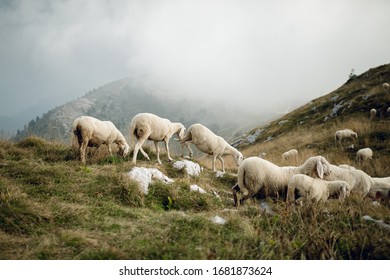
364, 154
359, 181
344, 133
207, 142
314, 189
372, 114
255, 174
291, 154
91, 132
147, 126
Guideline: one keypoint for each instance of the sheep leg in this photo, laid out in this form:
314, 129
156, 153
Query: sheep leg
109, 149
214, 158
83, 149
157, 151
222, 162
187, 144
167, 149
138, 147
144, 153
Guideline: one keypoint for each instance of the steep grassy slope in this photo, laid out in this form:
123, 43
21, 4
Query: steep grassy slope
311, 128
51, 207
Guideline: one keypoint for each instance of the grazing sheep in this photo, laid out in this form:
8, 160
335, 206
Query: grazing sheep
388, 110
206, 141
146, 126
359, 181
372, 114
91, 132
291, 154
314, 189
364, 154
344, 133
386, 87
255, 174
383, 192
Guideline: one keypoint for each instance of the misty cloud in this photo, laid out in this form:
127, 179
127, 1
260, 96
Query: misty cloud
265, 55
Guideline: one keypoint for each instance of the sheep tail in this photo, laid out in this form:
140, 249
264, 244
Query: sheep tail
132, 135
76, 136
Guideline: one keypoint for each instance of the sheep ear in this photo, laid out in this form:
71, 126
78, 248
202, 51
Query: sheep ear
320, 169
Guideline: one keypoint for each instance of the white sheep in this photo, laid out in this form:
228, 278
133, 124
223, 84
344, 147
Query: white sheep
372, 114
386, 87
388, 110
147, 126
364, 154
344, 133
91, 132
315, 189
384, 191
255, 174
291, 154
207, 142
359, 181
346, 166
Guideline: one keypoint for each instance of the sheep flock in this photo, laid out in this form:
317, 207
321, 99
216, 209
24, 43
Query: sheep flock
316, 180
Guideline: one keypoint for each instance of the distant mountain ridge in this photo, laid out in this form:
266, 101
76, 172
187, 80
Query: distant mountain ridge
120, 101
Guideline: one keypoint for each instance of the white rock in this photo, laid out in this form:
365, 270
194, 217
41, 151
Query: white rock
192, 168
219, 174
144, 176
380, 223
218, 220
196, 188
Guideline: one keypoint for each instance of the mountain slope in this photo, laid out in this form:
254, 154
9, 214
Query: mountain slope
119, 101
311, 127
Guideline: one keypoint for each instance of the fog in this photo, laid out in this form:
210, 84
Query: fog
264, 56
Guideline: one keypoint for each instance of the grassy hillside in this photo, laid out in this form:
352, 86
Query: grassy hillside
51, 207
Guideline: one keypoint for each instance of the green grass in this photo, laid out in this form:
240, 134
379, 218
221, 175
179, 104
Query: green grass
52, 207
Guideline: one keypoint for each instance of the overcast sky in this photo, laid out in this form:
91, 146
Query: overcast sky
266, 52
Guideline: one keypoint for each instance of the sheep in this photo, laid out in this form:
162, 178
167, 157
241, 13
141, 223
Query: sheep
147, 126
344, 133
383, 192
207, 142
364, 154
386, 87
359, 181
388, 111
346, 166
314, 189
255, 174
91, 132
372, 114
291, 154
